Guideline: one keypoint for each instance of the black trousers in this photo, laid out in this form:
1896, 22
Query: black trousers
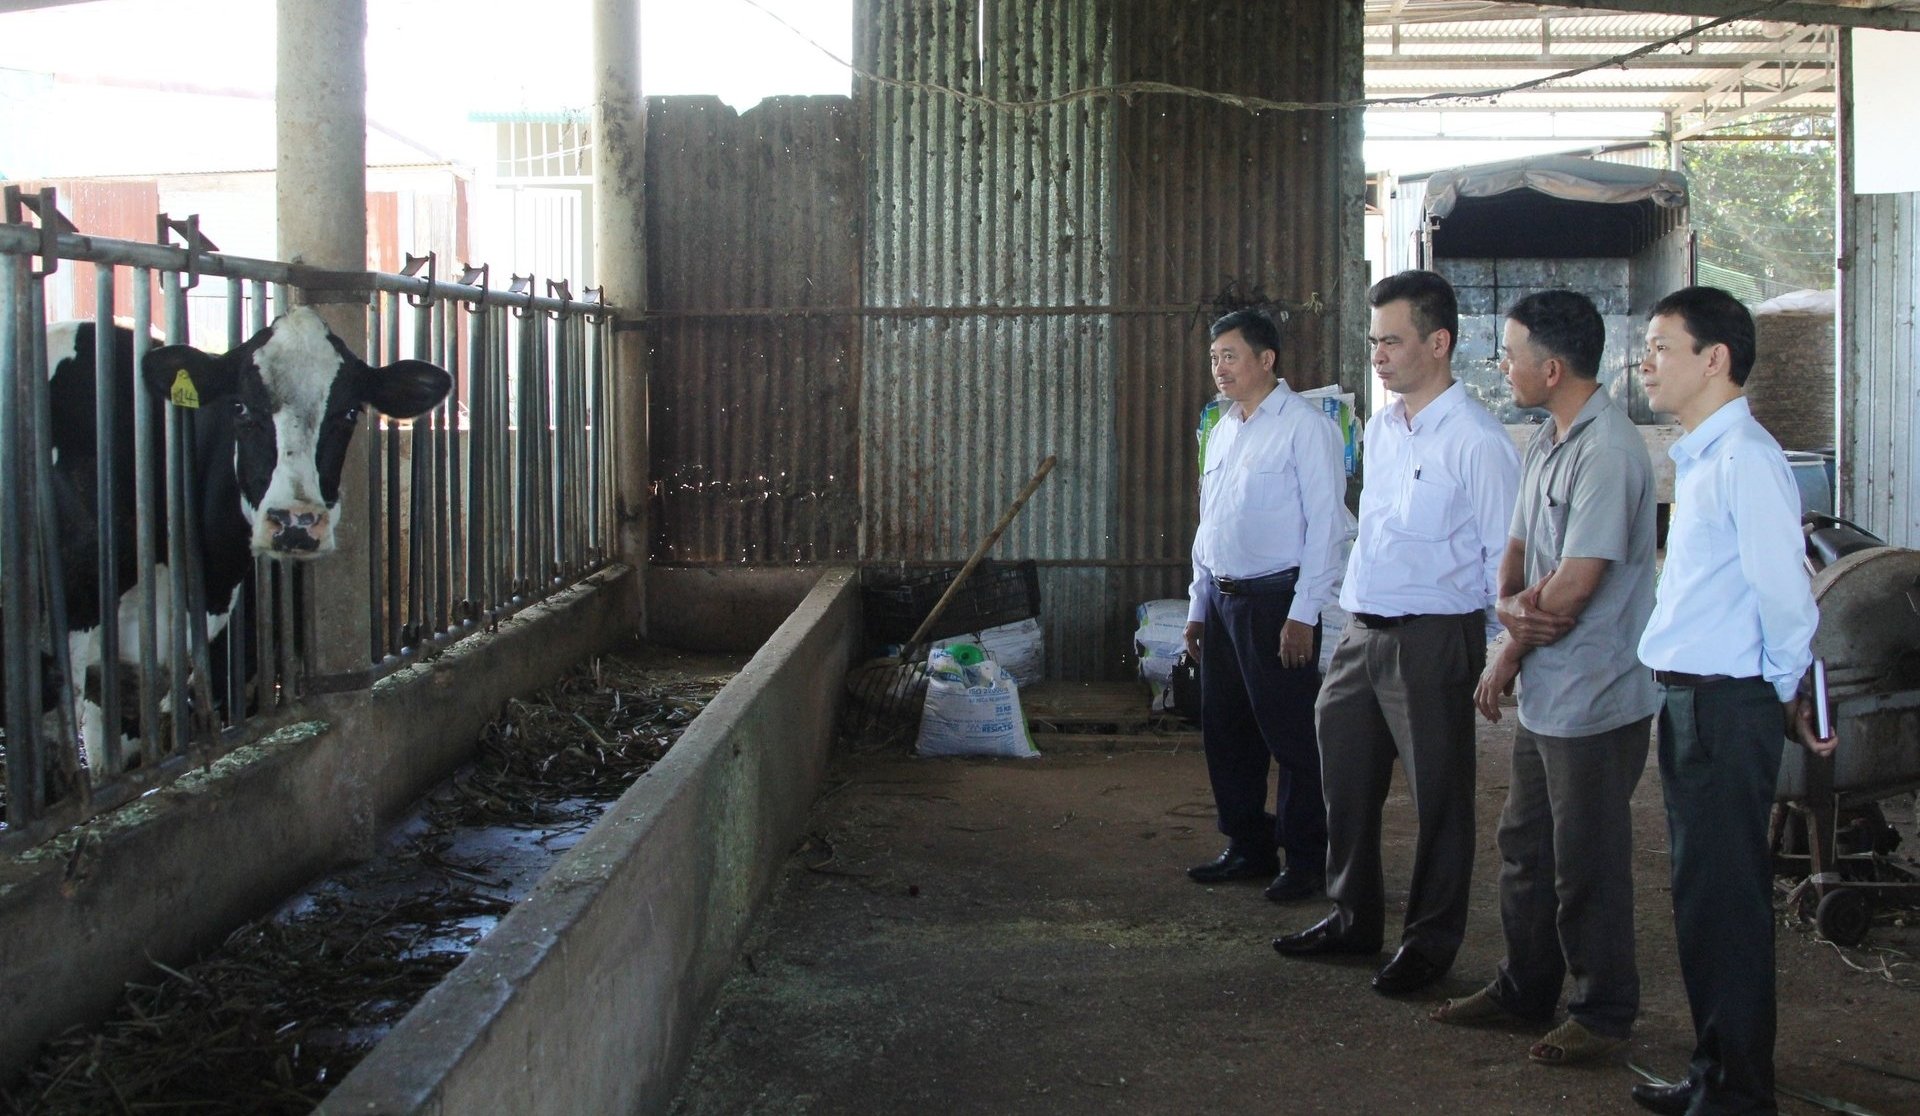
1253, 713
1720, 750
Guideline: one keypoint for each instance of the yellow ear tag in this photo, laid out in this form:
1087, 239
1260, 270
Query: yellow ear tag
182, 392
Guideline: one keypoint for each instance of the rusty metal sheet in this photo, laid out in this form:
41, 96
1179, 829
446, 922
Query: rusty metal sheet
1216, 207
753, 420
992, 285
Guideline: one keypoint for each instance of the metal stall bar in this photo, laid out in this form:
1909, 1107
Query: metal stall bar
266, 632
441, 418
106, 402
419, 508
25, 798
43, 561
147, 558
541, 437
460, 590
479, 452
525, 523
240, 620
180, 597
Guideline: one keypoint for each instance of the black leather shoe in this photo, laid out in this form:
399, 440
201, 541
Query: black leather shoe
1321, 938
1235, 864
1671, 1100
1296, 883
1408, 972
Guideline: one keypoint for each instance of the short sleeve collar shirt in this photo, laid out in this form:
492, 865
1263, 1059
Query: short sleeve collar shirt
1589, 495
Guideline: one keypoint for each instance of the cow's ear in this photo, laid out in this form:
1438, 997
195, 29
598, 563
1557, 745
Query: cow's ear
188, 376
405, 389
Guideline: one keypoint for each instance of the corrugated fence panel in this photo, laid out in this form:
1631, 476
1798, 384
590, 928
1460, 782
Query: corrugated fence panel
983, 235
972, 206
1880, 393
1220, 206
754, 419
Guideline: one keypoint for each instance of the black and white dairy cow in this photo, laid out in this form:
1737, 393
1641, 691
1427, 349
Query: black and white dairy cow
270, 424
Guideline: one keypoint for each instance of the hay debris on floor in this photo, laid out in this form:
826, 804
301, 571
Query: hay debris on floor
290, 1003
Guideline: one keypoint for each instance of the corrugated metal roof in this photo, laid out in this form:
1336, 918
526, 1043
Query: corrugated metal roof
1425, 47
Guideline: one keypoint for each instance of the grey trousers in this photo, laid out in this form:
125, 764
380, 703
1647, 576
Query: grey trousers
1566, 877
1402, 693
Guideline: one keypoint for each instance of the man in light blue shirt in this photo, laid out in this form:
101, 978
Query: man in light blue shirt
1729, 640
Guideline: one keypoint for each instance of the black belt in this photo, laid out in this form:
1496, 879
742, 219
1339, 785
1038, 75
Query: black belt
1682, 678
1375, 621
1281, 582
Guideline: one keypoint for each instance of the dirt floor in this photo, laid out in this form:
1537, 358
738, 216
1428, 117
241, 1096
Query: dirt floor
1018, 936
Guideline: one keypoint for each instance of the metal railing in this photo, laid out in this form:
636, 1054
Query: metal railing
493, 500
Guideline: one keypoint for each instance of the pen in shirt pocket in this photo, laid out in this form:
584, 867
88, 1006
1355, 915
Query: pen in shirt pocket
1416, 472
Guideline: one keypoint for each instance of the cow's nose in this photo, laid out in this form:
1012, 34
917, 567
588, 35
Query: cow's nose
296, 529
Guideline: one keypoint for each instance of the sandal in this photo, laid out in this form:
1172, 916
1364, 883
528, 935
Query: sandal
1478, 1008
1571, 1043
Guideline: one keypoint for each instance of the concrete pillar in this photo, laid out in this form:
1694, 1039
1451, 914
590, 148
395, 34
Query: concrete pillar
321, 194
620, 223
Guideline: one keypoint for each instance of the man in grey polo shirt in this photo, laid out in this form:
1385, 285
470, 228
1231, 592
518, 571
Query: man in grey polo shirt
1576, 588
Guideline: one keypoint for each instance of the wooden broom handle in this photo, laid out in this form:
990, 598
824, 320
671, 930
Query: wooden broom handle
980, 551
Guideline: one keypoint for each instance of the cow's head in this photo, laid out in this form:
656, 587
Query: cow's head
295, 394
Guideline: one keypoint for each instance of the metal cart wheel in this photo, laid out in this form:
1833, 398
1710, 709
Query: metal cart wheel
1843, 916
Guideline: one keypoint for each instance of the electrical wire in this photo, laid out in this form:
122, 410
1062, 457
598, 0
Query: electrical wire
1128, 90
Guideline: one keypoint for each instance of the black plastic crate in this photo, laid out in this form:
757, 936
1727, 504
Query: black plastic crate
995, 593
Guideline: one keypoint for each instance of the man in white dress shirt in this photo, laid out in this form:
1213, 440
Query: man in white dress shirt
1729, 641
1441, 476
1264, 562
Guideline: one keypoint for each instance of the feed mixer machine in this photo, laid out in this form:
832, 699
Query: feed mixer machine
1829, 827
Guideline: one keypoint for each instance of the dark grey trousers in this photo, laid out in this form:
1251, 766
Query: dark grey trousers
1402, 693
1720, 748
1566, 877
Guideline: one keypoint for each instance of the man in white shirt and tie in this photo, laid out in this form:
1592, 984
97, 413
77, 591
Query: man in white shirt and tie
1729, 641
1265, 558
1441, 475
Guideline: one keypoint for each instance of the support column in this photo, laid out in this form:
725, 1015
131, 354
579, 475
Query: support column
321, 196
620, 222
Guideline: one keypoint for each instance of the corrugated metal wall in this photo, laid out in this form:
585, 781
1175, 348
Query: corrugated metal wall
1216, 204
977, 207
1034, 282
1880, 378
754, 420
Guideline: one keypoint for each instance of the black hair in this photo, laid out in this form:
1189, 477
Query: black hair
1714, 317
1429, 295
1261, 332
1565, 324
